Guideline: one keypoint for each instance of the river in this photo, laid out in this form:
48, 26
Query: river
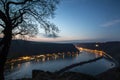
24, 70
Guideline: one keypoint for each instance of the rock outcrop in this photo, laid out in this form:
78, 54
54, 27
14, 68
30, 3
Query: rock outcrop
41, 75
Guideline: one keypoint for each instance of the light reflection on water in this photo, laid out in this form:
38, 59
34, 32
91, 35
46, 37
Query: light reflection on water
57, 63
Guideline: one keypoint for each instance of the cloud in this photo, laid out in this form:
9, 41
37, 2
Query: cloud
111, 23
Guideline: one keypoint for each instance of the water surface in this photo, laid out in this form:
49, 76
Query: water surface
94, 68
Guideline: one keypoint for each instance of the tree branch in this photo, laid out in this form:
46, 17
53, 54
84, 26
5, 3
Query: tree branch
18, 3
1, 42
3, 17
20, 33
2, 25
21, 14
15, 3
18, 22
3, 3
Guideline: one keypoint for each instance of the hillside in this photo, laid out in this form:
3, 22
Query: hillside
27, 48
111, 48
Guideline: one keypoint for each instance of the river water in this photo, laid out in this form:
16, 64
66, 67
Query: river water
24, 70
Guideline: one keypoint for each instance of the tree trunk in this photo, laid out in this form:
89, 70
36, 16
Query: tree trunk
5, 49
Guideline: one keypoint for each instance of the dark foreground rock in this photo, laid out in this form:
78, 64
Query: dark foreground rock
25, 79
41, 75
112, 74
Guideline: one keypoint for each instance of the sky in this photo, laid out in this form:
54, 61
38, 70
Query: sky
87, 20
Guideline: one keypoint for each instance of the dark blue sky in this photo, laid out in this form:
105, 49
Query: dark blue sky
96, 20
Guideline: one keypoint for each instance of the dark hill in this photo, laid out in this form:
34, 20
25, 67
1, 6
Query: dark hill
27, 48
111, 48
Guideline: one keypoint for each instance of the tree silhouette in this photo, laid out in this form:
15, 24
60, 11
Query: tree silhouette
23, 17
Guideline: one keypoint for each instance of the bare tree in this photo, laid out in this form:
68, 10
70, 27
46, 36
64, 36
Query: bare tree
23, 17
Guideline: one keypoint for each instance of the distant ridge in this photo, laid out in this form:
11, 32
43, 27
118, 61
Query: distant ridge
28, 48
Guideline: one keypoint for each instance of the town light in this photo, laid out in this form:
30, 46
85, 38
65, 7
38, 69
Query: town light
97, 45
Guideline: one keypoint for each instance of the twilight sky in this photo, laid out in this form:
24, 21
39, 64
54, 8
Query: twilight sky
91, 20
